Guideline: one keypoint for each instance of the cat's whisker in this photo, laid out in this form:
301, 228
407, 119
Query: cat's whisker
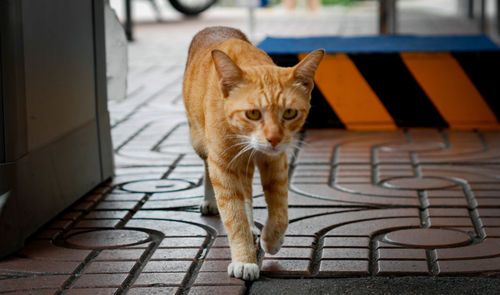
244, 141
245, 149
234, 146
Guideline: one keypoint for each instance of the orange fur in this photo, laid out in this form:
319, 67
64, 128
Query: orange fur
226, 77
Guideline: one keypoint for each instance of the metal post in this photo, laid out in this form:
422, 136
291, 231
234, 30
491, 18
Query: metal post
128, 20
387, 16
157, 10
466, 8
498, 17
470, 9
382, 19
393, 16
482, 20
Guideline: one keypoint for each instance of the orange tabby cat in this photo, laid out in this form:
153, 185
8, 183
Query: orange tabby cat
243, 111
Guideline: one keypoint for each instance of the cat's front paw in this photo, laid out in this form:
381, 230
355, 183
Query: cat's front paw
245, 271
271, 247
209, 208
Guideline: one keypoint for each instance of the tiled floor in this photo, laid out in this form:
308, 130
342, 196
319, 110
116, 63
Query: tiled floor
412, 202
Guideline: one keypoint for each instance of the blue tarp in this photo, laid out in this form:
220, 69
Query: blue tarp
378, 44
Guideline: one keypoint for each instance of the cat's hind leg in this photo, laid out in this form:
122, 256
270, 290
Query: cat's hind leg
209, 204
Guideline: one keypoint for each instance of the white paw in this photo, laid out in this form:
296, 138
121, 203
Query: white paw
245, 271
271, 248
255, 232
209, 208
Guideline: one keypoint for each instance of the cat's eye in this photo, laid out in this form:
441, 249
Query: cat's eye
289, 114
253, 115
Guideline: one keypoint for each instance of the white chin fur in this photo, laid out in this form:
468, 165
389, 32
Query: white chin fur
272, 151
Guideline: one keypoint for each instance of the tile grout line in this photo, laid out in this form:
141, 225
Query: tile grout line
132, 137
446, 140
317, 253
198, 261
156, 146
482, 140
172, 167
373, 259
133, 211
136, 270
75, 275
473, 211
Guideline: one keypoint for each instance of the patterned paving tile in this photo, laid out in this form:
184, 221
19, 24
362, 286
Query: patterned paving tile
409, 202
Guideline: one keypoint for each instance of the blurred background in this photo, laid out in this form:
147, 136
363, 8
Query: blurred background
328, 17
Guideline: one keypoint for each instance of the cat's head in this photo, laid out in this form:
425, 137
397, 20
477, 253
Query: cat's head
266, 105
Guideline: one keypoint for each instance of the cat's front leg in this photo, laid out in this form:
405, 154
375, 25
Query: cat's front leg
249, 209
231, 203
274, 178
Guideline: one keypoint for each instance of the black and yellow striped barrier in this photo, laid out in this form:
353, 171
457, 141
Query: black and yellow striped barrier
401, 85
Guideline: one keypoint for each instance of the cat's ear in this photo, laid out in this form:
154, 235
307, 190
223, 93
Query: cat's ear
304, 71
230, 75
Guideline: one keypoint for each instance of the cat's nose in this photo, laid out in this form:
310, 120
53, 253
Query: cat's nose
273, 133
274, 140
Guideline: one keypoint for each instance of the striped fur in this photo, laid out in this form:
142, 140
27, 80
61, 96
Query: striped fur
225, 78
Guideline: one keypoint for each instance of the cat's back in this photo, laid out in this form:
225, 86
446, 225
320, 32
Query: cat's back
212, 36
